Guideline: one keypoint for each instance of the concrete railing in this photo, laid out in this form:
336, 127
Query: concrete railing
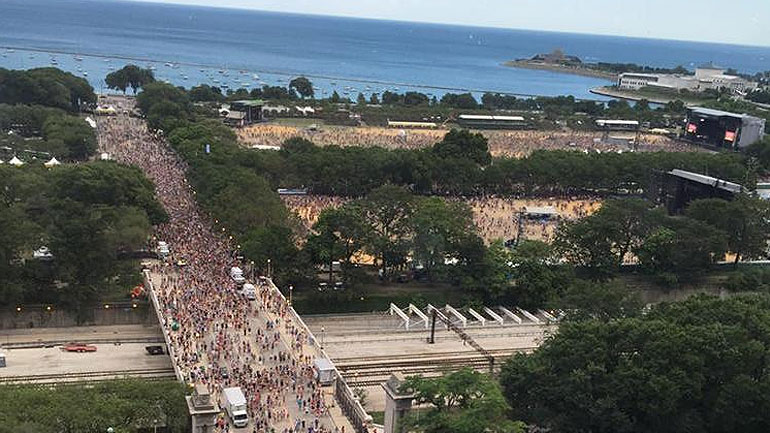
159, 312
346, 400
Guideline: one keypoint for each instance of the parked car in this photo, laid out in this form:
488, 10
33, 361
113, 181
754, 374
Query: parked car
79, 347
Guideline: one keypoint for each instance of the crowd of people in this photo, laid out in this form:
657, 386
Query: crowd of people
220, 339
495, 217
517, 144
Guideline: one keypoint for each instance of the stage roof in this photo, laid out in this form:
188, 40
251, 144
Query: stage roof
707, 180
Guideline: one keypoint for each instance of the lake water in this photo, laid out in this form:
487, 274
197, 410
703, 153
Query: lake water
189, 45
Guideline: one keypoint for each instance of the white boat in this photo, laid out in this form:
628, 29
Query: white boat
78, 58
85, 73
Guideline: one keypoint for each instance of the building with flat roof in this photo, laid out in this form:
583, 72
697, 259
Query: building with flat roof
479, 121
706, 77
722, 129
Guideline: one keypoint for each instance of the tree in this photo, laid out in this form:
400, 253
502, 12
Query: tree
361, 100
536, 276
50, 87
464, 144
76, 136
206, 93
601, 242
588, 300
386, 212
745, 220
129, 76
464, 101
439, 227
339, 234
465, 401
374, 99
695, 365
681, 249
303, 86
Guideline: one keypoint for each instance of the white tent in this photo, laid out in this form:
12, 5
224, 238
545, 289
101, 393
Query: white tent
1, 161
91, 122
15, 161
52, 163
105, 156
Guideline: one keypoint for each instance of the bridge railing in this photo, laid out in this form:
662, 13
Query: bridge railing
346, 400
164, 329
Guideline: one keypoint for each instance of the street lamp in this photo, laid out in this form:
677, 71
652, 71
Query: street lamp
269, 271
323, 331
291, 291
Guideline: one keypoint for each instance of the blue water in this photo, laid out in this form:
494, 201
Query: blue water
348, 55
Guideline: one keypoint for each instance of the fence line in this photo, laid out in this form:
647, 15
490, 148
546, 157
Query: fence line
158, 311
346, 400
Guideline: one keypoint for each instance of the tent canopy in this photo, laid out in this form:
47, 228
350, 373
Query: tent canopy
15, 161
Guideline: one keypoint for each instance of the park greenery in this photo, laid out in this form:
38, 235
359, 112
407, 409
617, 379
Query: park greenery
129, 76
89, 217
465, 401
43, 132
697, 365
126, 406
50, 87
397, 217
38, 115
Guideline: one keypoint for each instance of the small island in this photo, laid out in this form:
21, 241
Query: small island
558, 61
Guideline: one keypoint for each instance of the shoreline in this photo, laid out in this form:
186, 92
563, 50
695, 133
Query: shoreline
583, 72
631, 96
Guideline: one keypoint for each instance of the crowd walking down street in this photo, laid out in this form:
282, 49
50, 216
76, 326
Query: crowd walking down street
220, 338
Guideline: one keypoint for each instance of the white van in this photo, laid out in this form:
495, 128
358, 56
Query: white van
237, 275
163, 250
235, 405
249, 291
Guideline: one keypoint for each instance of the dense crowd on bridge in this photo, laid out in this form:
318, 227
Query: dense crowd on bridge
516, 144
220, 338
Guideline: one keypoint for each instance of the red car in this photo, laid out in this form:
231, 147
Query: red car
79, 347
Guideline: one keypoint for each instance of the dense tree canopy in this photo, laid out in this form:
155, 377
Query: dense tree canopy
50, 87
87, 215
698, 365
124, 405
302, 86
465, 401
129, 76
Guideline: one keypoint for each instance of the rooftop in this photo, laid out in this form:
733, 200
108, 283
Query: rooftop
250, 102
707, 180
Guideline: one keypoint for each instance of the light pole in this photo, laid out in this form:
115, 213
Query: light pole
291, 291
323, 331
269, 271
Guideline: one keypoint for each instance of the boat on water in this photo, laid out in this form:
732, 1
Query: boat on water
255, 77
168, 64
78, 58
85, 73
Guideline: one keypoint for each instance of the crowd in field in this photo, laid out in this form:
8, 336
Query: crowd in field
220, 338
501, 143
495, 217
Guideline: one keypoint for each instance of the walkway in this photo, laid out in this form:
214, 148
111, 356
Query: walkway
219, 338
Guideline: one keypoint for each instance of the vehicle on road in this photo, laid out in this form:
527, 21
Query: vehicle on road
249, 291
79, 347
154, 350
235, 405
236, 274
163, 250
